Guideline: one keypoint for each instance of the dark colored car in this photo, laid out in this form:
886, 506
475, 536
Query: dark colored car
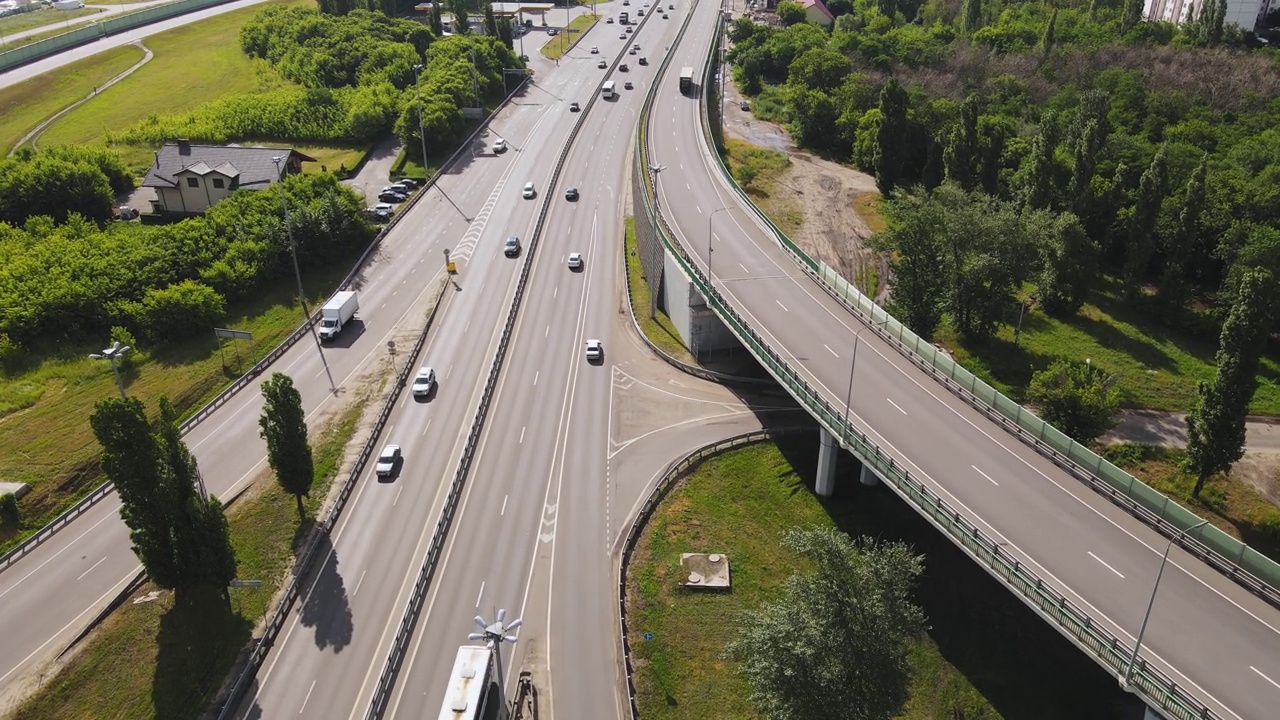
571, 194
573, 107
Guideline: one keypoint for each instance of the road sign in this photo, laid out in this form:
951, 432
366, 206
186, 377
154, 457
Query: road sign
245, 583
232, 334
391, 346
452, 267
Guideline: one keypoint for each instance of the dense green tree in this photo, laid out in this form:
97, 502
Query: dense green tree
1180, 243
887, 8
1084, 164
970, 16
891, 136
1068, 265
506, 33
1216, 424
961, 154
180, 310
834, 644
819, 69
1216, 25
1077, 398
1049, 37
790, 13
815, 117
437, 19
284, 426
490, 21
1036, 177
461, 21
915, 250
1141, 225
994, 133
1131, 15
55, 185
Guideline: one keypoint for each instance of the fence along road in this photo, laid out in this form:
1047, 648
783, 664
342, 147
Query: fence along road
1211, 637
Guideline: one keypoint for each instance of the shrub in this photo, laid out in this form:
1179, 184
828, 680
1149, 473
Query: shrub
181, 309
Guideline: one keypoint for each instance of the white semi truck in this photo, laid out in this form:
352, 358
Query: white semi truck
336, 313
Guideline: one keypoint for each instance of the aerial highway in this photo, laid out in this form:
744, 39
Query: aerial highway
54, 591
1205, 632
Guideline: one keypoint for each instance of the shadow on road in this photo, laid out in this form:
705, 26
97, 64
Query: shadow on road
325, 607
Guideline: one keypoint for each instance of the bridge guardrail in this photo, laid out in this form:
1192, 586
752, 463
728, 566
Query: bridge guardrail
1149, 682
1244, 565
105, 489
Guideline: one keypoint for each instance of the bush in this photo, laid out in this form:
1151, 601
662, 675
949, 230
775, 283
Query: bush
181, 309
1077, 398
9, 510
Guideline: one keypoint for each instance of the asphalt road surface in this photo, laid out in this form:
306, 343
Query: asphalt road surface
1205, 632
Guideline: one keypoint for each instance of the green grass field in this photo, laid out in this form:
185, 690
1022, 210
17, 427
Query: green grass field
175, 81
178, 654
45, 411
986, 656
1159, 366
562, 43
40, 18
763, 166
660, 330
25, 105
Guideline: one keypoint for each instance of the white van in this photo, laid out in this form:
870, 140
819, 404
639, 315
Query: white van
607, 91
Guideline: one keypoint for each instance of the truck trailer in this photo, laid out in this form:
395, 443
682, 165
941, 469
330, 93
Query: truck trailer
336, 313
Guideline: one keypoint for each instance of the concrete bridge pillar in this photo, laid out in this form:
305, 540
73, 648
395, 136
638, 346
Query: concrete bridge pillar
825, 483
868, 476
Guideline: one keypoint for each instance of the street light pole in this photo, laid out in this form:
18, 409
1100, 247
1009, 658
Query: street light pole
297, 274
709, 218
494, 635
848, 398
1133, 659
113, 353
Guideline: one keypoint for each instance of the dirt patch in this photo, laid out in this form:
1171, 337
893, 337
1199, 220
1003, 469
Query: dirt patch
827, 196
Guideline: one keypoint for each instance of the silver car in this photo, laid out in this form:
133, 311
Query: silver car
387, 461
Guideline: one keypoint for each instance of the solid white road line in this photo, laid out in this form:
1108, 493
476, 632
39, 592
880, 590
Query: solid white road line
784, 307
891, 402
1105, 565
828, 347
308, 697
522, 435
480, 594
397, 498
86, 572
1264, 677
503, 511
535, 377
358, 582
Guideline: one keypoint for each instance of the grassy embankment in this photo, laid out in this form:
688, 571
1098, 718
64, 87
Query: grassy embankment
562, 43
177, 655
40, 18
659, 329
986, 655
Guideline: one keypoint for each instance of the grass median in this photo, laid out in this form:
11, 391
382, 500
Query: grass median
985, 656
153, 658
658, 329
564, 41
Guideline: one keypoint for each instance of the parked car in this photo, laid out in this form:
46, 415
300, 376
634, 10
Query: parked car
409, 183
571, 194
380, 213
744, 106
424, 382
595, 351
511, 247
401, 187
124, 212
552, 32
387, 461
575, 261
499, 146
573, 106
391, 196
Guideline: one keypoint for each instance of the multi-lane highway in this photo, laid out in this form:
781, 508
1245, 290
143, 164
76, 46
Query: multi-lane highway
1205, 632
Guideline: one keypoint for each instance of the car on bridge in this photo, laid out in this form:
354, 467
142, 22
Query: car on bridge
571, 194
602, 64
575, 261
499, 146
511, 247
529, 193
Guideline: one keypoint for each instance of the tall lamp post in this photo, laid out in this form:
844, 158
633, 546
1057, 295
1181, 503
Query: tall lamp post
709, 218
494, 635
1133, 659
297, 274
113, 353
422, 136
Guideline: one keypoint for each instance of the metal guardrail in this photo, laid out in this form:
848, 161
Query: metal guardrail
673, 472
1149, 682
106, 488
301, 569
97, 29
391, 667
1250, 569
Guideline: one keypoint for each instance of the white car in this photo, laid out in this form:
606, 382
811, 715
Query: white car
595, 50
387, 460
595, 351
424, 382
529, 192
575, 261
499, 146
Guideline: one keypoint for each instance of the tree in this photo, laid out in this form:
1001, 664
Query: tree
506, 33
490, 21
1085, 159
887, 8
461, 22
180, 310
1141, 224
834, 645
819, 69
1068, 264
1077, 398
1130, 15
891, 136
1180, 243
971, 16
1216, 424
1036, 175
790, 13
1047, 39
437, 20
284, 427
915, 249
961, 154
1216, 21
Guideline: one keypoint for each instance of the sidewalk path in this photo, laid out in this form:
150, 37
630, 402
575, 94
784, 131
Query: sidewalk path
1166, 429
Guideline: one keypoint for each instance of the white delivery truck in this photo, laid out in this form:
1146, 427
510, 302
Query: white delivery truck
607, 90
336, 313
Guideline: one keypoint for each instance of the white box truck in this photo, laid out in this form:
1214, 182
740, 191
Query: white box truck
336, 313
607, 90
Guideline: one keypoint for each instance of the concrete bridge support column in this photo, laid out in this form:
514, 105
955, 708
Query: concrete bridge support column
868, 476
825, 483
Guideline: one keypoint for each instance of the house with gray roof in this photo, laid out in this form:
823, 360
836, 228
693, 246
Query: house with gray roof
188, 179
